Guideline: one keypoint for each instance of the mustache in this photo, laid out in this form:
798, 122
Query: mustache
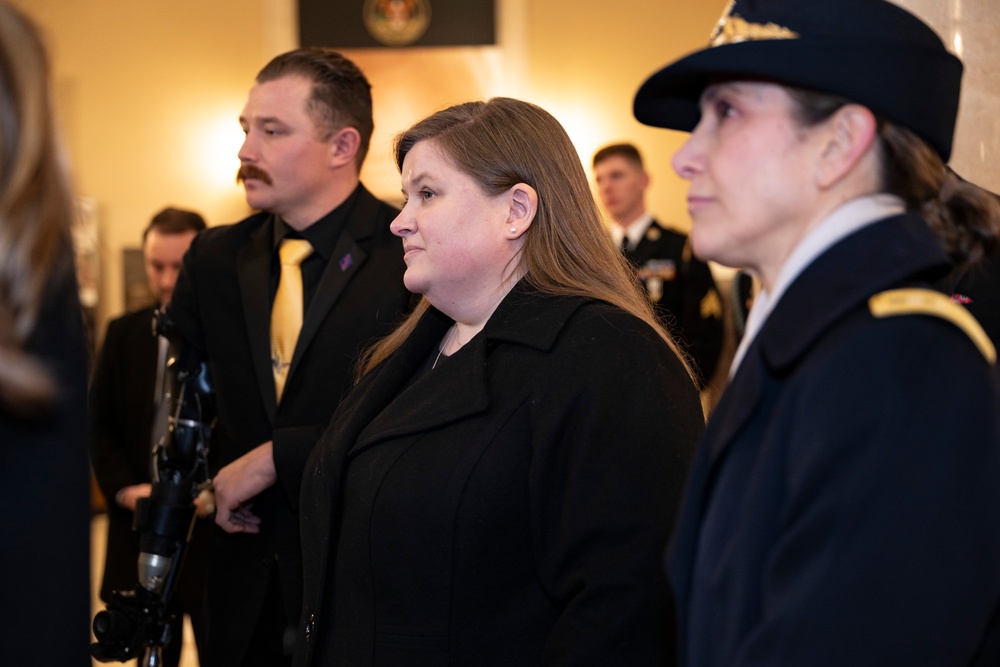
249, 171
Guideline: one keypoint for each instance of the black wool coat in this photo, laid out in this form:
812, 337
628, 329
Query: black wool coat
844, 507
508, 507
222, 305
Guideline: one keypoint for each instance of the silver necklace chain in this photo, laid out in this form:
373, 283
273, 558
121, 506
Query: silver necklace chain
452, 333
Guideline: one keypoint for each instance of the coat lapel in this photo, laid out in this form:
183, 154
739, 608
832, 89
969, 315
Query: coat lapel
436, 399
361, 407
902, 246
439, 398
253, 268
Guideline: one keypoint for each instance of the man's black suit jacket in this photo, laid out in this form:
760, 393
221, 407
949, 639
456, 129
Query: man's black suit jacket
222, 305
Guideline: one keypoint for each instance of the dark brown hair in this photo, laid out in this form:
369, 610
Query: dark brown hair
627, 151
965, 218
341, 95
567, 249
174, 221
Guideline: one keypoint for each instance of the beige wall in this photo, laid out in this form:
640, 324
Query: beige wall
149, 93
971, 28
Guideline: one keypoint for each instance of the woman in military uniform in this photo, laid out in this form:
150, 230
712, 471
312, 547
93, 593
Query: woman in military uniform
844, 506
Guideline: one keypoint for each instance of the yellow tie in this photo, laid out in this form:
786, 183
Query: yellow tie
286, 312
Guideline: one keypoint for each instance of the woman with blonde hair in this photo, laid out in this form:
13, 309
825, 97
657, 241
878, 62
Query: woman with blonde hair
843, 508
498, 487
45, 498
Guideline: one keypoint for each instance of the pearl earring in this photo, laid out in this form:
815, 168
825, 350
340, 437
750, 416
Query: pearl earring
513, 230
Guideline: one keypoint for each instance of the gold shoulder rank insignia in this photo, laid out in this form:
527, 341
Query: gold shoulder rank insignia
711, 306
914, 301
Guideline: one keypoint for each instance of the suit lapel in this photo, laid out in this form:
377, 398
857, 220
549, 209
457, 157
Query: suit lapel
737, 404
346, 260
646, 247
735, 409
253, 269
146, 354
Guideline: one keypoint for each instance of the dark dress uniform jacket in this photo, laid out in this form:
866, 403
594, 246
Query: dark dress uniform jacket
844, 506
689, 305
222, 304
978, 289
507, 507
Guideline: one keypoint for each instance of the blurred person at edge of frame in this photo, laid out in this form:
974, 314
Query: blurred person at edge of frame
843, 508
500, 485
45, 496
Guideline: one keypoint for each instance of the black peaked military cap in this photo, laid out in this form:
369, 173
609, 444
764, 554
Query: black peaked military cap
871, 52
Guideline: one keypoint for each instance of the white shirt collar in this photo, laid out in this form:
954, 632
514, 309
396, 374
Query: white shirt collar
844, 221
635, 230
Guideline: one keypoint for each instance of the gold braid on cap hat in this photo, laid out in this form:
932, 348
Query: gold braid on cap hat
733, 29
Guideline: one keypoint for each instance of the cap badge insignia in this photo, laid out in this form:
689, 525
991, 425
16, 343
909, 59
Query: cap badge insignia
732, 29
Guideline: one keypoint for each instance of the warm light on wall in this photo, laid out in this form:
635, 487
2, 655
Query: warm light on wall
218, 142
582, 124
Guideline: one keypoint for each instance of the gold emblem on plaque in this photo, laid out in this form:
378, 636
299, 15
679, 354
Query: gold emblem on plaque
397, 22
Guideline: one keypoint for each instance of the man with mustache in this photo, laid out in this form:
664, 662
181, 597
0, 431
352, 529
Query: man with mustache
308, 122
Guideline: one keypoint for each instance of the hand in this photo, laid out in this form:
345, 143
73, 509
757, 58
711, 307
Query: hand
128, 495
204, 503
238, 483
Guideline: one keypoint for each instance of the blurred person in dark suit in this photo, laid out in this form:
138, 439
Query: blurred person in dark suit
45, 493
129, 401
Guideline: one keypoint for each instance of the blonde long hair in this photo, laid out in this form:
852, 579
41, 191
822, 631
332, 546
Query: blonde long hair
36, 207
567, 250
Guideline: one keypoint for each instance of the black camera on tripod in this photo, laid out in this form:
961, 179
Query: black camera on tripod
138, 621
132, 621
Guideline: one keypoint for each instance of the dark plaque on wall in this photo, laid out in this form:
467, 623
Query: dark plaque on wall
395, 23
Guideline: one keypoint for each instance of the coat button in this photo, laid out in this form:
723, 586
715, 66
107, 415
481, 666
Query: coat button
310, 624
